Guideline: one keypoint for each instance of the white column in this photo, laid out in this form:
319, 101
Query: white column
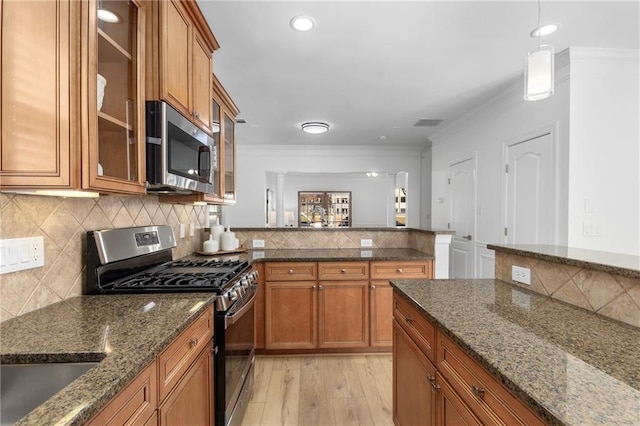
280, 199
443, 241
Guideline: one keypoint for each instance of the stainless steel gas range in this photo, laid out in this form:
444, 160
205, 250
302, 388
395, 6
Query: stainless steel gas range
139, 260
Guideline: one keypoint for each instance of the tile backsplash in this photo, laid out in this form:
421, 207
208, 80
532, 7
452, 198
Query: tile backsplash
610, 295
63, 222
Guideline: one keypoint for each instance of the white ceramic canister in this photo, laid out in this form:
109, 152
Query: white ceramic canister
216, 231
211, 245
228, 240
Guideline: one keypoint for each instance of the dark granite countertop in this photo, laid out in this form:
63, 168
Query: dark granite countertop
343, 229
337, 255
124, 332
614, 263
571, 366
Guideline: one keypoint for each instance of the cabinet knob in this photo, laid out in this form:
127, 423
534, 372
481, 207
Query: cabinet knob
290, 271
479, 392
373, 287
320, 287
313, 287
399, 270
344, 271
432, 381
193, 343
409, 320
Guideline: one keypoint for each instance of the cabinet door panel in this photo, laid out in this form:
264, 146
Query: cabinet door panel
38, 63
176, 40
413, 399
191, 402
201, 83
343, 314
381, 308
291, 315
452, 411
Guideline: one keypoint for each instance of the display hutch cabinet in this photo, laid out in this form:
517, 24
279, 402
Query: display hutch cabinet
59, 129
324, 209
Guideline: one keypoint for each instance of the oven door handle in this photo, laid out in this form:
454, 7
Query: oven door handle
232, 319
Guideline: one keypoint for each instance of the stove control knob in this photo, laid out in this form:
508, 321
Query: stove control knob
245, 282
233, 295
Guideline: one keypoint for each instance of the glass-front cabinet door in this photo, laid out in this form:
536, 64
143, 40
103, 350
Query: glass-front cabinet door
116, 107
229, 159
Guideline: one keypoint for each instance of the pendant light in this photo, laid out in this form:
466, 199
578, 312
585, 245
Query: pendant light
539, 80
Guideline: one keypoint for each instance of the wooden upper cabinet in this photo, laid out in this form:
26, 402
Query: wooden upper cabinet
181, 47
113, 120
39, 144
57, 131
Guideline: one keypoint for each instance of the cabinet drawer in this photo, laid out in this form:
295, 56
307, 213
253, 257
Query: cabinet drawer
416, 325
176, 359
290, 271
135, 404
408, 269
335, 271
485, 396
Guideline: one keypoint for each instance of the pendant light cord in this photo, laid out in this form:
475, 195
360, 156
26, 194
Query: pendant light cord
538, 27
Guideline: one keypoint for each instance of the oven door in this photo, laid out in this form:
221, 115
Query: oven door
235, 359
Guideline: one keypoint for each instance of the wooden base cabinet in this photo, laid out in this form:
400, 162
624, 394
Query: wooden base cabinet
191, 401
343, 314
414, 400
291, 310
462, 391
381, 313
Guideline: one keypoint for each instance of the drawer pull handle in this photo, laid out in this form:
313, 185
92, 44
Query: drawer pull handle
193, 343
399, 270
343, 271
409, 320
479, 392
432, 381
290, 271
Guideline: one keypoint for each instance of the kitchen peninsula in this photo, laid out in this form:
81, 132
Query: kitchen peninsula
495, 350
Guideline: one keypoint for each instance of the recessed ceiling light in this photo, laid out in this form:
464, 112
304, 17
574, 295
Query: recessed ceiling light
105, 15
545, 30
302, 23
315, 127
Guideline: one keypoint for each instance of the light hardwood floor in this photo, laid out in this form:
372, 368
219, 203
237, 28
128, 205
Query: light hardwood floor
321, 390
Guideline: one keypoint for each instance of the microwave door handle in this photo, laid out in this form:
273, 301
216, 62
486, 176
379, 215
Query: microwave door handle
232, 319
204, 172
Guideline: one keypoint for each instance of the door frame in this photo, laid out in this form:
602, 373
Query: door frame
469, 157
553, 130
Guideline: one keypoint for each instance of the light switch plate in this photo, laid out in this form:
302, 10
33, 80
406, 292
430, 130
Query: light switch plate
182, 230
192, 229
366, 243
17, 254
257, 244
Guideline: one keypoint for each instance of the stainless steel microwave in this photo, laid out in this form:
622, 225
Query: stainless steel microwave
181, 158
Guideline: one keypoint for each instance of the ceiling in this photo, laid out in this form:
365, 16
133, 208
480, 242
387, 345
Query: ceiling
372, 69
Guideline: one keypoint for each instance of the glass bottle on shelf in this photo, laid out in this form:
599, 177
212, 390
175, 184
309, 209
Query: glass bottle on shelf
120, 103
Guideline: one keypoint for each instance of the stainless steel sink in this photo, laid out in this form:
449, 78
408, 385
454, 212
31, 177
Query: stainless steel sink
23, 387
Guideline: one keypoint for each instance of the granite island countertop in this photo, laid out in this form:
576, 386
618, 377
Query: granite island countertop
124, 332
571, 366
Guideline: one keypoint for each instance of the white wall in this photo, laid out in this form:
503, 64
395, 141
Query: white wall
253, 163
605, 150
483, 134
595, 115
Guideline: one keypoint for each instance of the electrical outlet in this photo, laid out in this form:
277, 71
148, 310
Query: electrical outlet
182, 230
17, 254
192, 229
521, 275
366, 243
258, 244
366, 253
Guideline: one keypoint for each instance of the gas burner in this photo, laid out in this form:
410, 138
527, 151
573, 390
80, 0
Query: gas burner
206, 263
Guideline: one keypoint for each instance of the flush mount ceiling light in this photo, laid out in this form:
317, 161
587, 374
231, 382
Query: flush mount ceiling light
544, 30
539, 80
315, 127
372, 174
105, 15
302, 23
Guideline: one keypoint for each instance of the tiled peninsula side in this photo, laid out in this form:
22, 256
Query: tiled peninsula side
601, 282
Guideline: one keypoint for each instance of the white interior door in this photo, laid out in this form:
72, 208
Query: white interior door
462, 183
530, 191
